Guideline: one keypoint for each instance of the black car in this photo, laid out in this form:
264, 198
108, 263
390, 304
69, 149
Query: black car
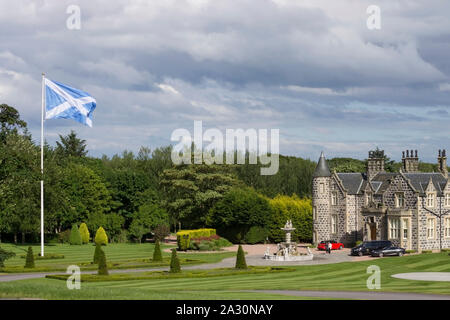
367, 246
388, 251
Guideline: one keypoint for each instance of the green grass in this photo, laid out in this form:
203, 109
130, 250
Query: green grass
119, 256
152, 275
348, 276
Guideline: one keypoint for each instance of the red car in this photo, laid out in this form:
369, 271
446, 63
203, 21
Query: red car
334, 245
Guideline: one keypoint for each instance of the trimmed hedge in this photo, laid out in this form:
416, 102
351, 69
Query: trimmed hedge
29, 262
47, 256
157, 254
174, 263
84, 232
100, 237
75, 236
102, 265
184, 236
240, 259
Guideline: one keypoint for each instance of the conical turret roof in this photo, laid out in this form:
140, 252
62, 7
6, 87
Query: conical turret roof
322, 169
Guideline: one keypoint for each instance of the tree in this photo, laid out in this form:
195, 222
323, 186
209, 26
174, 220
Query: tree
147, 218
71, 146
157, 255
174, 262
161, 232
189, 192
114, 223
84, 232
98, 249
240, 259
238, 211
75, 236
5, 255
100, 237
102, 265
10, 121
29, 262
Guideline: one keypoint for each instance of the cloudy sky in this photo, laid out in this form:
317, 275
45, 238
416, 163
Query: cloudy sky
310, 68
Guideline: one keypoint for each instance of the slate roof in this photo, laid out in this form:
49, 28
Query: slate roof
322, 169
352, 182
420, 181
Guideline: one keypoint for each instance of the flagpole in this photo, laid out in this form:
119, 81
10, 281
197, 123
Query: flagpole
42, 164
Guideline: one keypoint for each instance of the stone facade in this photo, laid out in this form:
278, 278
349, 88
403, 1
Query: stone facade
409, 208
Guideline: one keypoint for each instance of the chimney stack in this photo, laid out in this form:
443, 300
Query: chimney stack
442, 163
375, 163
410, 161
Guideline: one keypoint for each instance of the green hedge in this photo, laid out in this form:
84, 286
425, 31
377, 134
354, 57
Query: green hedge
47, 256
184, 236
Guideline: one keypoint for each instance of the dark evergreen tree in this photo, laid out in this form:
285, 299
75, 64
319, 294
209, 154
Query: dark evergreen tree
29, 262
157, 255
102, 265
174, 262
240, 259
98, 248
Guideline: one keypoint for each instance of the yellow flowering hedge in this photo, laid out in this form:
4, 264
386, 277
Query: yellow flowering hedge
184, 236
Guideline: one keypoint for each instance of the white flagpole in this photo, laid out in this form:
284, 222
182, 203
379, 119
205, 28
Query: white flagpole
42, 165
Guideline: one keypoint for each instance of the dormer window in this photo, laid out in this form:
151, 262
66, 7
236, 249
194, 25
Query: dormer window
430, 200
334, 199
399, 200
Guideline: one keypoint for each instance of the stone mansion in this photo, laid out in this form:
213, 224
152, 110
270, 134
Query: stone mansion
409, 208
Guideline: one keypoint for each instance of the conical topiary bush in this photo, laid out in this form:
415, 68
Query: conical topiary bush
98, 249
100, 237
157, 255
174, 263
240, 259
29, 262
84, 232
75, 236
102, 266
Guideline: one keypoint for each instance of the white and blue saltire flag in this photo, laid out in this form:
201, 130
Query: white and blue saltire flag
64, 102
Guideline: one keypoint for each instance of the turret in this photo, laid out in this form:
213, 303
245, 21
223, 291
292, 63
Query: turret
321, 200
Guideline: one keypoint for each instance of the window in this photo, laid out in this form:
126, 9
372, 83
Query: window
334, 223
447, 199
334, 199
430, 200
394, 228
399, 200
405, 228
314, 213
369, 198
447, 227
430, 228
322, 187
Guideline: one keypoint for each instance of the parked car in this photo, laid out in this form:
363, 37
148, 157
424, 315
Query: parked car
334, 245
366, 247
388, 251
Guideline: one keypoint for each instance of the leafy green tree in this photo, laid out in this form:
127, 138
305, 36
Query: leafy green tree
102, 265
71, 146
29, 262
10, 122
157, 254
84, 232
5, 255
114, 224
237, 212
240, 259
174, 262
100, 237
190, 191
146, 219
75, 236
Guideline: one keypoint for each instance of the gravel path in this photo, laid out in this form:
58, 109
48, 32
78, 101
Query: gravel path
424, 276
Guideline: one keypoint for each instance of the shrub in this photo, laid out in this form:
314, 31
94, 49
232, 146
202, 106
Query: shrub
97, 253
64, 237
157, 255
101, 237
184, 237
5, 255
84, 231
256, 234
427, 251
357, 243
240, 259
122, 237
75, 236
161, 232
29, 262
211, 243
174, 263
410, 251
445, 250
102, 266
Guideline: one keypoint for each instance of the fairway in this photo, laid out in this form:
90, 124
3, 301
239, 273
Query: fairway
347, 276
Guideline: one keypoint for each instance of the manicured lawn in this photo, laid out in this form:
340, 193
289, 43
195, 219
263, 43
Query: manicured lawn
119, 256
349, 276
